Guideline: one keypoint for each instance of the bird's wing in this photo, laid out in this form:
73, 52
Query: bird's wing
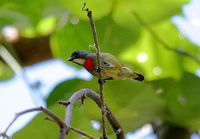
109, 61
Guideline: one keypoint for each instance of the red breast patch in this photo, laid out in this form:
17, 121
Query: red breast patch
89, 64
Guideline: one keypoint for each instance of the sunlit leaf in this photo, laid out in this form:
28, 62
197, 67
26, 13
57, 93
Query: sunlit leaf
174, 39
29, 15
112, 37
153, 11
153, 58
46, 26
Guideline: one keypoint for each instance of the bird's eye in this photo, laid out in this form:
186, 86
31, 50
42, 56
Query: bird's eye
105, 63
75, 54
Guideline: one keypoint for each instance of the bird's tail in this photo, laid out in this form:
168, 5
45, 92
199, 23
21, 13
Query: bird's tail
138, 77
132, 75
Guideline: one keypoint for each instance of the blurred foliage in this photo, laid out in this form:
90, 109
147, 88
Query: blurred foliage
5, 72
171, 90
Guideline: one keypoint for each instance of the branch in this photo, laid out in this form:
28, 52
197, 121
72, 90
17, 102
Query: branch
56, 119
82, 133
79, 95
101, 82
51, 117
163, 43
71, 128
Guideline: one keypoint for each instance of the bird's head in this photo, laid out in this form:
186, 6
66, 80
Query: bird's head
83, 58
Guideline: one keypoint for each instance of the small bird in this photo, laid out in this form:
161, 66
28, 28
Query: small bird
111, 68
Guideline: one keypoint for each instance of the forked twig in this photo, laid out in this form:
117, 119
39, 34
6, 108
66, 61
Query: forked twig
50, 116
95, 97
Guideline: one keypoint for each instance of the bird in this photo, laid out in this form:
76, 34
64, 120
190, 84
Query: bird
111, 68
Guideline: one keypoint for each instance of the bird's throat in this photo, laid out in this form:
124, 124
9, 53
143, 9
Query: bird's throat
89, 64
79, 61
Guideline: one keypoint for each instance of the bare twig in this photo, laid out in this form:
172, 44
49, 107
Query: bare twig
101, 82
56, 119
51, 117
163, 43
95, 97
4, 135
82, 133
73, 129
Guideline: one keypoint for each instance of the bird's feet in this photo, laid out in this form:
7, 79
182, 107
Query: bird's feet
101, 81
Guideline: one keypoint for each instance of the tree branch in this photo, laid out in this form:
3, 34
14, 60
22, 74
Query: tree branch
101, 82
56, 119
95, 97
163, 43
51, 117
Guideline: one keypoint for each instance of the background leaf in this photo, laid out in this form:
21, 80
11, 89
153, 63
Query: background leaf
182, 97
62, 91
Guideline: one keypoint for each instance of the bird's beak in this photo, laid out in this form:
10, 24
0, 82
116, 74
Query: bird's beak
71, 59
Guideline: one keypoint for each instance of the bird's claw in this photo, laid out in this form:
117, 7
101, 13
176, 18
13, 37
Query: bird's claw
101, 81
64, 103
98, 70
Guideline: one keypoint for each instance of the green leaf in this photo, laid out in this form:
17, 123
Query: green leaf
71, 38
190, 65
182, 97
153, 11
46, 26
133, 103
92, 48
62, 91
174, 39
153, 58
28, 18
112, 38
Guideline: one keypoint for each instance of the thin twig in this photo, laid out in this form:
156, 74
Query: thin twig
82, 133
95, 97
163, 43
73, 129
51, 117
4, 135
101, 82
